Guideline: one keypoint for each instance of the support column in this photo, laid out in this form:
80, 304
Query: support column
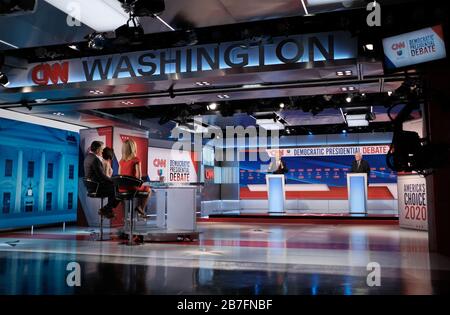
41, 184
61, 181
19, 175
438, 116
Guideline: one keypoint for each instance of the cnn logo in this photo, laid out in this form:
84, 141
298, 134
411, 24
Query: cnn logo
43, 73
159, 163
397, 46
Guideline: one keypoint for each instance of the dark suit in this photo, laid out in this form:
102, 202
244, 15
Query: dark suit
93, 169
363, 167
281, 169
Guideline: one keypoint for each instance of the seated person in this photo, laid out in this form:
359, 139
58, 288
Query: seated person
108, 155
130, 165
93, 170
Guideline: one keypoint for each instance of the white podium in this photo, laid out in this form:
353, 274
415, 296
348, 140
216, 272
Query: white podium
275, 192
357, 192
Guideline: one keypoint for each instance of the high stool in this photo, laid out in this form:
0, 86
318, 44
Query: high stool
129, 194
92, 192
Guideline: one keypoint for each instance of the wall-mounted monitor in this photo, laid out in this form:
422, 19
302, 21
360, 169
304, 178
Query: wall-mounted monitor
414, 48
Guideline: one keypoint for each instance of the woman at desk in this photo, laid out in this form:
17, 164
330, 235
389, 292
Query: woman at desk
130, 165
277, 166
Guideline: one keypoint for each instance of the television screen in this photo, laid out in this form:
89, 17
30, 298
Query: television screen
413, 48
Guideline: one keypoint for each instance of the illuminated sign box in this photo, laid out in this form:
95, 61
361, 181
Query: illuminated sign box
200, 59
413, 48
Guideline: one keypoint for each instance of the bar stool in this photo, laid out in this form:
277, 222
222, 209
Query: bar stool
130, 182
92, 192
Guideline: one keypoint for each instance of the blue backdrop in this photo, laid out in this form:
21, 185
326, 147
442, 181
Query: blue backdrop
330, 170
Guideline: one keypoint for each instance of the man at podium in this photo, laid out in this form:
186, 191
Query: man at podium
277, 166
360, 166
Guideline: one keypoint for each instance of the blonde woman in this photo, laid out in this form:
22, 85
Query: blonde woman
130, 165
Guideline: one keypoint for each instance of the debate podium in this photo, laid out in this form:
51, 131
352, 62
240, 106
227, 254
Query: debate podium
276, 192
357, 193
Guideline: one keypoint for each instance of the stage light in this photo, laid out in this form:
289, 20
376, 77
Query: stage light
129, 34
96, 41
74, 47
212, 106
310, 133
281, 105
4, 79
389, 93
348, 99
369, 46
223, 96
344, 131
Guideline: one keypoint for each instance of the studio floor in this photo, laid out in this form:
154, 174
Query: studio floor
228, 258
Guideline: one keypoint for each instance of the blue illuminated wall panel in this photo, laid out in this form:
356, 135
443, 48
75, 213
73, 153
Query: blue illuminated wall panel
38, 174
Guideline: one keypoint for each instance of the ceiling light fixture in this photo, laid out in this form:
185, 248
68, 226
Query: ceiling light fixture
202, 83
249, 86
96, 92
165, 23
8, 44
100, 15
212, 106
127, 102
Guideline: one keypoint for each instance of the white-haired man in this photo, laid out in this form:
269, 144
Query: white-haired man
360, 166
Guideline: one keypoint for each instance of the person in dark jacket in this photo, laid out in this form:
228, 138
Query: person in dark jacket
360, 166
277, 166
94, 170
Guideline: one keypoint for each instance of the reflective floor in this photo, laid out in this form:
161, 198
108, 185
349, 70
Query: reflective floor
229, 258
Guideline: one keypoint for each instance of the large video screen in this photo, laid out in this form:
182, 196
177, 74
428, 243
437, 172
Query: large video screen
38, 174
413, 48
321, 165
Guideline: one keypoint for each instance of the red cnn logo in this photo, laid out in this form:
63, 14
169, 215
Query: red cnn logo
159, 163
43, 73
397, 46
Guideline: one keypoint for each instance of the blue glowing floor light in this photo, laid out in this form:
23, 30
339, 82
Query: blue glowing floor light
276, 193
357, 192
